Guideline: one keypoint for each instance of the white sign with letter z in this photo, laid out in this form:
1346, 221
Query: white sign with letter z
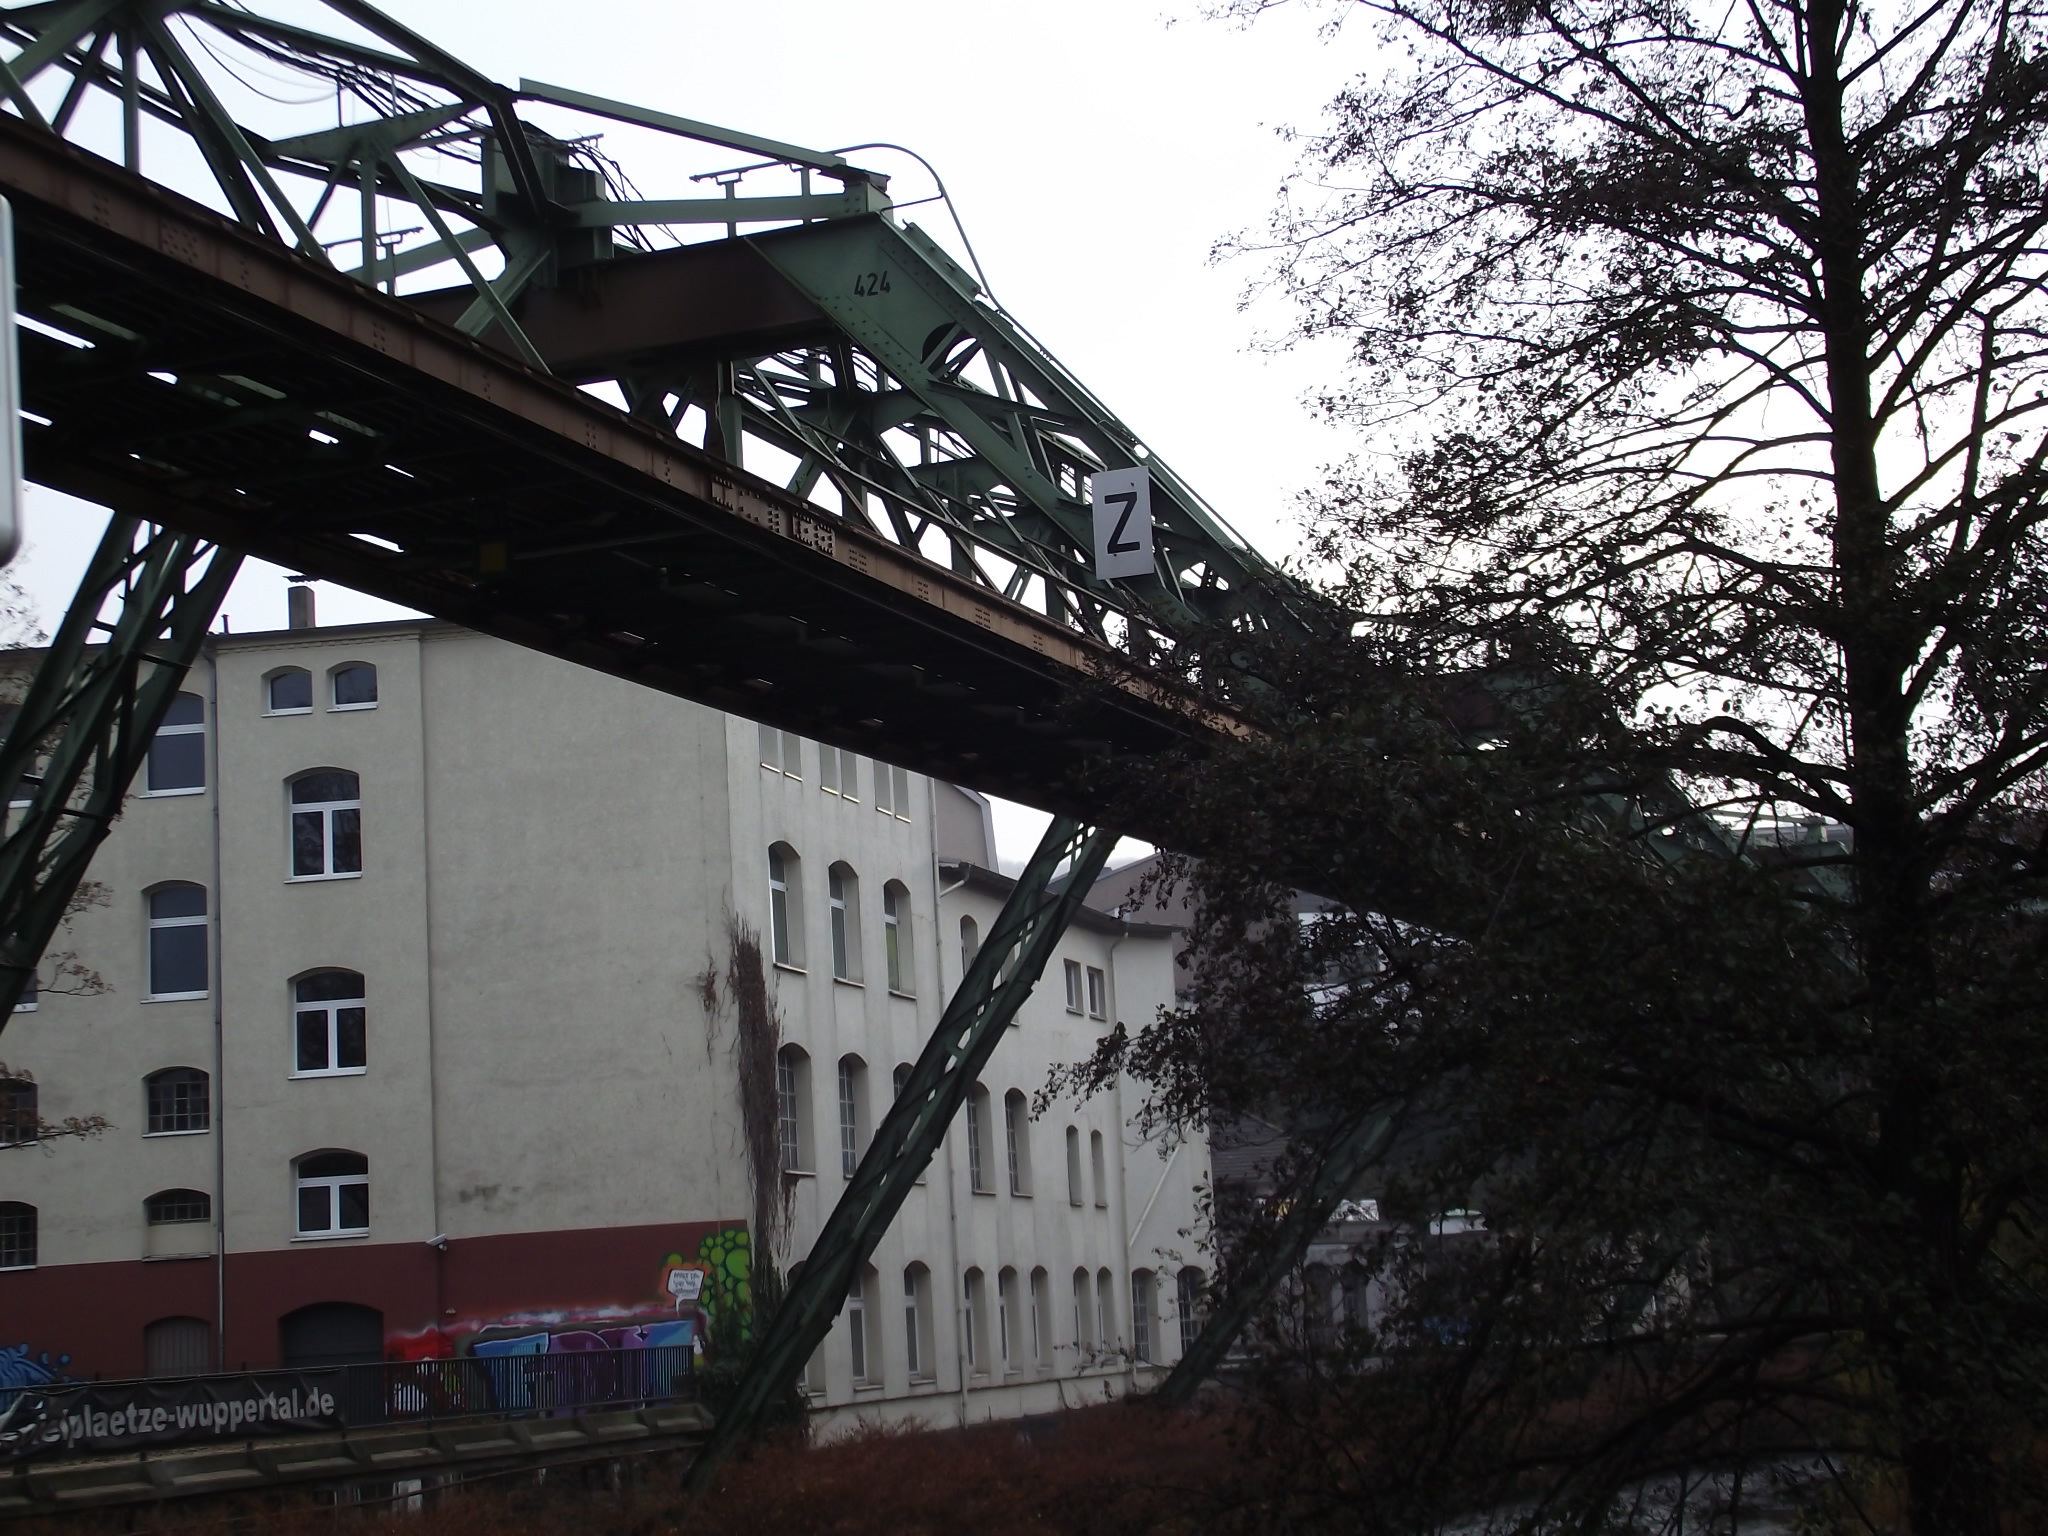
1123, 522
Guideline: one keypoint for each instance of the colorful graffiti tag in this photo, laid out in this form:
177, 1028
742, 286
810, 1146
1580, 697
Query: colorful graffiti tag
696, 1292
19, 1368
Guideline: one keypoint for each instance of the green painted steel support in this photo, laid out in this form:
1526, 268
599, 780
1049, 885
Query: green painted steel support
1012, 958
1309, 1201
85, 726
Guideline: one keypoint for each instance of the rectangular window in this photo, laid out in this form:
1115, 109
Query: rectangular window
899, 786
828, 769
849, 1121
177, 753
1006, 1302
792, 755
17, 1235
786, 1111
1141, 1315
1016, 1140
1098, 994
1073, 976
974, 1168
912, 1329
857, 1329
849, 775
1187, 1302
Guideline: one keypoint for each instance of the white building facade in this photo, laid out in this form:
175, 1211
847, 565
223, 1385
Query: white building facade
414, 1020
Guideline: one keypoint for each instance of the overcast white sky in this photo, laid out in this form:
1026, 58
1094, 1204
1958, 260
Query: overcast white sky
1095, 148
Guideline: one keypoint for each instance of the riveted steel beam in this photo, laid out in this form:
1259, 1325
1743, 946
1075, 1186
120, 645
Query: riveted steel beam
1001, 976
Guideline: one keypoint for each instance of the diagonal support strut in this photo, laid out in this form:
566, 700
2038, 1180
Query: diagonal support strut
87, 722
1357, 1146
1002, 975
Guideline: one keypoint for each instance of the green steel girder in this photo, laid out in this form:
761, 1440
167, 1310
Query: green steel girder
86, 724
1000, 977
939, 421
1272, 1253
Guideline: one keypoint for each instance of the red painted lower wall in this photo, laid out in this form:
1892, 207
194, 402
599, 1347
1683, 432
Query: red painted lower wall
87, 1320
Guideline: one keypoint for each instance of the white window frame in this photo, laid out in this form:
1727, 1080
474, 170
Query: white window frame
894, 898
789, 1108
332, 1008
857, 1329
1077, 1194
1006, 1301
271, 677
333, 1184
842, 906
334, 707
1141, 1316
977, 1164
153, 922
326, 810
850, 1070
1098, 993
785, 907
1071, 971
1098, 1167
1017, 1142
198, 729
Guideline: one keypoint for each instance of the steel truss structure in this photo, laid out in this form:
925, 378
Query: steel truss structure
836, 466
85, 725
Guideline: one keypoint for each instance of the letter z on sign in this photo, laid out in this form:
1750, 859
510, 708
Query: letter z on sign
1123, 522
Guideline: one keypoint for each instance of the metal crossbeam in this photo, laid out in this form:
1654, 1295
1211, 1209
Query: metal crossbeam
87, 722
998, 980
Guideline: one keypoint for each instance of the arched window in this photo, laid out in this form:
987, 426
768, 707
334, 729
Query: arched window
1006, 1318
1084, 1312
853, 1093
792, 1108
785, 906
977, 1141
842, 902
1105, 1308
1187, 1299
1074, 1196
1017, 1140
177, 1346
970, 943
327, 824
1099, 1170
334, 1194
896, 935
20, 1112
174, 1207
289, 691
330, 1029
177, 942
1141, 1314
917, 1322
859, 1345
1041, 1318
17, 1235
178, 1101
331, 1333
974, 1319
353, 686
177, 753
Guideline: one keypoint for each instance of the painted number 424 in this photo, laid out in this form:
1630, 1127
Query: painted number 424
867, 284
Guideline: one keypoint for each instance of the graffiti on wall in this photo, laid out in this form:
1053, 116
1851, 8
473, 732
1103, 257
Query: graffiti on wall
21, 1366
696, 1299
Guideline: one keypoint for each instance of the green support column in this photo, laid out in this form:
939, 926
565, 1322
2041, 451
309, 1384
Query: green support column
1012, 958
1275, 1252
85, 727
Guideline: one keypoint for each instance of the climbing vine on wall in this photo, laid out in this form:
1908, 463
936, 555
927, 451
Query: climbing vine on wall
757, 1037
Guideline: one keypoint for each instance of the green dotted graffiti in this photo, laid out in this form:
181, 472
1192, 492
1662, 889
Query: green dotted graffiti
729, 1288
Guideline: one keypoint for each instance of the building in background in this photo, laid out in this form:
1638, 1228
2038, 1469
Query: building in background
423, 1031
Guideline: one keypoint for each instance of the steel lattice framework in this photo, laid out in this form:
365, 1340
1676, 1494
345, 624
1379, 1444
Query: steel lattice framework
831, 467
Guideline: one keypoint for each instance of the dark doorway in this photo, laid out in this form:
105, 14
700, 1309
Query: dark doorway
331, 1333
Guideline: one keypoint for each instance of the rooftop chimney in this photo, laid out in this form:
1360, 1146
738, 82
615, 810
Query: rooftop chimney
298, 603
